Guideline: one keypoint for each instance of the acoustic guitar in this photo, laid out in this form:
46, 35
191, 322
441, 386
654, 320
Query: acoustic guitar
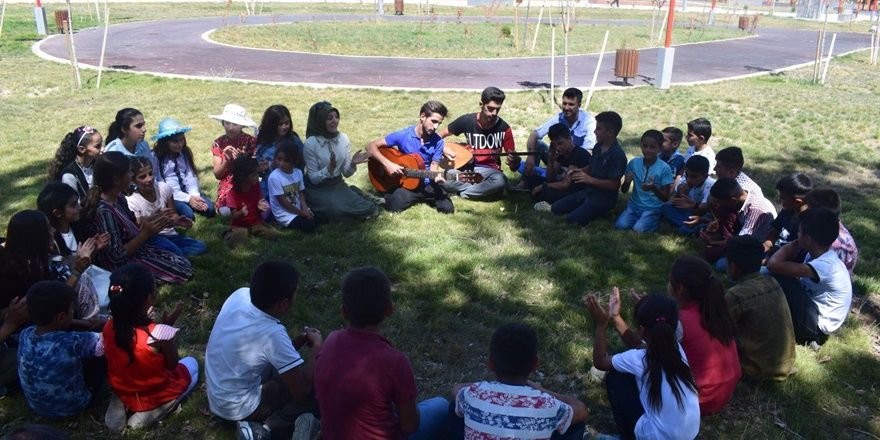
414, 172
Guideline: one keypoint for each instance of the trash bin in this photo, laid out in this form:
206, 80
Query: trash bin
398, 7
626, 64
61, 19
744, 22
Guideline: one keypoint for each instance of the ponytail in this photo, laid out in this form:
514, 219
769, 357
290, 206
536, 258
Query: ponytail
64, 155
703, 286
122, 121
658, 316
130, 286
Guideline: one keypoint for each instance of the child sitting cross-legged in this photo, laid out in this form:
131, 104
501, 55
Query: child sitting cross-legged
287, 189
650, 386
818, 289
653, 182
690, 198
792, 190
845, 245
757, 306
365, 388
511, 406
60, 370
246, 204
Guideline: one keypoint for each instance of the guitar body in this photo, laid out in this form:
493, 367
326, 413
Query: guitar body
414, 171
455, 156
384, 182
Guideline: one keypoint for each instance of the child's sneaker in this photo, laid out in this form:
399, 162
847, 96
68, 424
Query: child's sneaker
542, 206
251, 431
115, 417
307, 427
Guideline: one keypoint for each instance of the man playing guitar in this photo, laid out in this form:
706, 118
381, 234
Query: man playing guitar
422, 139
485, 132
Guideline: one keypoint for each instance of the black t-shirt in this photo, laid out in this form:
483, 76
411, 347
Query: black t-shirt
577, 158
484, 140
610, 165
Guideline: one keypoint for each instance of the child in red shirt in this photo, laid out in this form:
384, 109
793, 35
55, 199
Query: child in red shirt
246, 202
143, 368
708, 339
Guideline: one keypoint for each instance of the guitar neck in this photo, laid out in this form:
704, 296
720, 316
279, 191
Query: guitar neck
410, 172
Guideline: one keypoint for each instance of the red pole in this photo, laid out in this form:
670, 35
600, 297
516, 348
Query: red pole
38, 4
839, 7
670, 22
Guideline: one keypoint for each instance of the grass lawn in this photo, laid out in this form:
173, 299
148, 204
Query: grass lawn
436, 40
458, 277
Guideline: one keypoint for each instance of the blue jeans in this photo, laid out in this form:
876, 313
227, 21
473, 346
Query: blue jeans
432, 418
187, 211
583, 206
638, 219
179, 245
677, 217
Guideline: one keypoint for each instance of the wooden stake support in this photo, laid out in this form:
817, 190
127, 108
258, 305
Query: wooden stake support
537, 28
2, 17
828, 60
596, 72
552, 67
104, 42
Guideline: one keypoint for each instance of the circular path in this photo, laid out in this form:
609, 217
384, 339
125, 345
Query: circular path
182, 48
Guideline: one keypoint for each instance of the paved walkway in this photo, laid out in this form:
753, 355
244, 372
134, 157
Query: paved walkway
176, 47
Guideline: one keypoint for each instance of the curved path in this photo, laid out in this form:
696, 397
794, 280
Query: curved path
181, 48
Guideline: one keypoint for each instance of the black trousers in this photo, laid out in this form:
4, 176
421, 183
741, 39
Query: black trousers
402, 199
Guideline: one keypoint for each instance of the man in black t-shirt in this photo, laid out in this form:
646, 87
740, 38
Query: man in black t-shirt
485, 133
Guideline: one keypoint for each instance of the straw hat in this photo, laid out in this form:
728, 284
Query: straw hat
169, 127
235, 114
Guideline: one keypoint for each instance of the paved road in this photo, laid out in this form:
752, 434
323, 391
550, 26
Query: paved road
176, 47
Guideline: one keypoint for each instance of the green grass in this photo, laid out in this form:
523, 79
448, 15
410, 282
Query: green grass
434, 40
458, 277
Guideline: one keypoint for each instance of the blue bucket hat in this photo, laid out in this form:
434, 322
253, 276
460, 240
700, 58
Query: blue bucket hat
169, 127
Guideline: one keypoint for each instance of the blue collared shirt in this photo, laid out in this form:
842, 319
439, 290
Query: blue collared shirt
582, 131
408, 142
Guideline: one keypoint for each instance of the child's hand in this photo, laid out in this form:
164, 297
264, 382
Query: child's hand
683, 188
636, 297
171, 318
614, 303
86, 248
230, 152
183, 222
101, 240
263, 205
243, 212
155, 223
599, 313
684, 202
649, 184
314, 337
692, 221
307, 213
198, 203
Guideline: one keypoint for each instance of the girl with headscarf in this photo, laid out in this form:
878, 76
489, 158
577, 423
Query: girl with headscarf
328, 159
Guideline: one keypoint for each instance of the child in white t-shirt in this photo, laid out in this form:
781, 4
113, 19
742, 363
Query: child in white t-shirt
287, 189
819, 290
156, 198
646, 403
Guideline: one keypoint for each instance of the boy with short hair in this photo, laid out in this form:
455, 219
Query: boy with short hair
729, 162
249, 342
698, 134
601, 178
512, 406
753, 215
672, 137
818, 290
757, 306
60, 370
562, 156
792, 189
653, 179
845, 244
690, 198
366, 389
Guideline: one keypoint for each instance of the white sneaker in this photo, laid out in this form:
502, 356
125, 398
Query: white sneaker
307, 427
115, 417
542, 206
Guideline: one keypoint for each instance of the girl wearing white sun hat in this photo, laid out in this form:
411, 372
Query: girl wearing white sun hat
234, 143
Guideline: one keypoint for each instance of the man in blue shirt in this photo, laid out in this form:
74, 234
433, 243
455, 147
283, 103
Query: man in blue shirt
580, 124
421, 139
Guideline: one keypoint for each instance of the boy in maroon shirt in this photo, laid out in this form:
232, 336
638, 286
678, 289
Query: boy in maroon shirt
365, 388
